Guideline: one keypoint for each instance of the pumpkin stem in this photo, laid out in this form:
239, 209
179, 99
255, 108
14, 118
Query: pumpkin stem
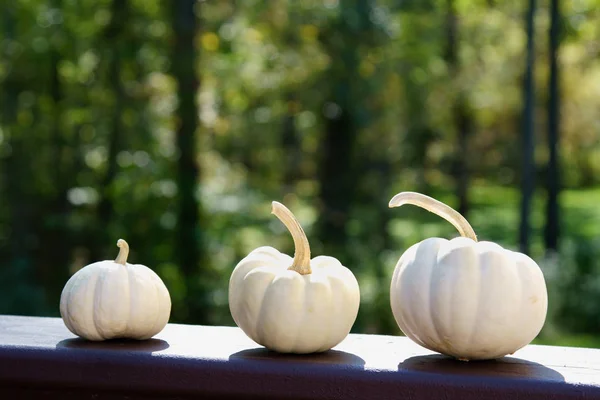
301, 262
123, 252
436, 207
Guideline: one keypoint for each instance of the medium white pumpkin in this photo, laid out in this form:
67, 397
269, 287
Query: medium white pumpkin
466, 299
114, 299
293, 305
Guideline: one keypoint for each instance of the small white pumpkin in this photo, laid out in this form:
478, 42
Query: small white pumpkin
114, 299
466, 299
293, 305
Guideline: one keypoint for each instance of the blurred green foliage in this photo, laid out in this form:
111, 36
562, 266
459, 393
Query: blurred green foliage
329, 106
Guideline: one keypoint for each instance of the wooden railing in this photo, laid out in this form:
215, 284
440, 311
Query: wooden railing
40, 359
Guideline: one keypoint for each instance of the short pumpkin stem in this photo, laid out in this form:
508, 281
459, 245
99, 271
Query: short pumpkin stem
436, 207
123, 252
301, 262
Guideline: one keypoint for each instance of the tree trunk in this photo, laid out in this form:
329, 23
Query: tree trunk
114, 38
290, 146
528, 167
290, 141
185, 26
336, 172
347, 113
13, 164
551, 232
419, 134
464, 125
463, 122
19, 288
56, 245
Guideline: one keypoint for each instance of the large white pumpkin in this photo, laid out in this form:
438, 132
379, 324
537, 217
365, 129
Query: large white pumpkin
114, 299
466, 299
293, 305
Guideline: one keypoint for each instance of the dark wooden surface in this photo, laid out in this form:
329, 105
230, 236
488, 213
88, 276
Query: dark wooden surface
40, 359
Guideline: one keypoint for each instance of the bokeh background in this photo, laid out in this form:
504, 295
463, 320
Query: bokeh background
174, 124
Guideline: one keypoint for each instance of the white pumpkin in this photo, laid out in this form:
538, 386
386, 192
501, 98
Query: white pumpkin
293, 305
466, 299
114, 299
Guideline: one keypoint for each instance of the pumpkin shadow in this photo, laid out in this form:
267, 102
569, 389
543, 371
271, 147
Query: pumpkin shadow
121, 345
506, 367
330, 357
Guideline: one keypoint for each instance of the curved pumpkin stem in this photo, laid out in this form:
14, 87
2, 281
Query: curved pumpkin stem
301, 262
123, 252
436, 207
